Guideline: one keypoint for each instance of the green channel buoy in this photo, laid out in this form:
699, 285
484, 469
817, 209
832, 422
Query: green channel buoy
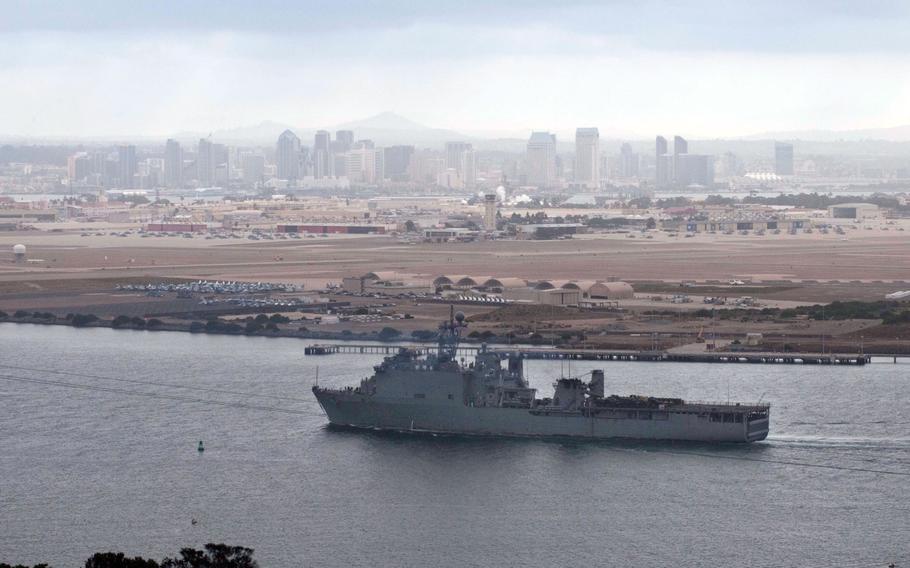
201, 447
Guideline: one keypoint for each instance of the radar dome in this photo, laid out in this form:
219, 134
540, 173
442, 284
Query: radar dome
19, 249
459, 317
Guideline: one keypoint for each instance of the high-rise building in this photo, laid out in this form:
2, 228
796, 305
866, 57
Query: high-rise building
253, 168
541, 159
783, 159
287, 156
322, 155
469, 169
680, 146
661, 163
126, 166
587, 157
628, 162
396, 160
173, 164
78, 167
731, 164
365, 163
454, 154
697, 169
459, 157
222, 160
344, 140
205, 162
425, 166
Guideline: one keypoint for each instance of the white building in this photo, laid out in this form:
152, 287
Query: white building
541, 159
587, 157
364, 165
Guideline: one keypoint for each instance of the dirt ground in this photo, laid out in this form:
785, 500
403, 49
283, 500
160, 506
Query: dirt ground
866, 257
67, 272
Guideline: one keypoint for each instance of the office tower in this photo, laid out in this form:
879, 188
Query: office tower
322, 155
661, 163
222, 161
396, 160
253, 168
455, 155
541, 159
365, 163
78, 167
469, 169
697, 169
628, 161
99, 160
783, 159
205, 163
680, 146
459, 157
587, 157
339, 164
287, 156
425, 166
344, 140
126, 166
173, 164
731, 164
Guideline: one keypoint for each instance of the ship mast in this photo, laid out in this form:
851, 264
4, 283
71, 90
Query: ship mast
448, 335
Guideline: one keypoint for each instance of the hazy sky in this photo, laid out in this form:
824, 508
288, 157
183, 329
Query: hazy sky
712, 68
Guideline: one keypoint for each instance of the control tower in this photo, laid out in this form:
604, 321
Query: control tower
489, 212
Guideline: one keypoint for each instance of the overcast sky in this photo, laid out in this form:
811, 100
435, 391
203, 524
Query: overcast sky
703, 69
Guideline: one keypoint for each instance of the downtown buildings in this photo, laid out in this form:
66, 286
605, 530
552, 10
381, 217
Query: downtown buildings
681, 169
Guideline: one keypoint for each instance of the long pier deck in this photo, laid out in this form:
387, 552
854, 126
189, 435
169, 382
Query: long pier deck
608, 355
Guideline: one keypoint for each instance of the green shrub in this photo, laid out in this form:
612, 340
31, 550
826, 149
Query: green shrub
389, 333
81, 320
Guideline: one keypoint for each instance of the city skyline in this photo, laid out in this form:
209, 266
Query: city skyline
698, 68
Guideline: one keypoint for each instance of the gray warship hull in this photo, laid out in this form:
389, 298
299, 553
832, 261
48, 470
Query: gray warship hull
436, 393
692, 422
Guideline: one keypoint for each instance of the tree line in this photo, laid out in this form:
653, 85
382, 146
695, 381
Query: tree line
212, 556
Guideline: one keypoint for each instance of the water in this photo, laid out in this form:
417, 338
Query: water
87, 470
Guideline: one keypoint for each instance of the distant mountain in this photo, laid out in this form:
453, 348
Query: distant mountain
383, 121
388, 128
892, 134
384, 129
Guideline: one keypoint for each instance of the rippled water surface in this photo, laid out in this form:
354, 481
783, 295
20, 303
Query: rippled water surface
99, 468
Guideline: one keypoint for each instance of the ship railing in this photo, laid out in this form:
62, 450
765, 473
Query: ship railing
728, 404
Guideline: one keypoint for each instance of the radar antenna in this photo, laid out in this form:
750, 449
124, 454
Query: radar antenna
449, 332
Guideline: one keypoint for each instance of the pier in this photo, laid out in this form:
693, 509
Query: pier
611, 355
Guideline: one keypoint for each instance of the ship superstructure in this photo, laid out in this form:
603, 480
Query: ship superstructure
491, 396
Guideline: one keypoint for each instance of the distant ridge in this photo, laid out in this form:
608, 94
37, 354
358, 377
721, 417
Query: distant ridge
383, 121
892, 134
385, 128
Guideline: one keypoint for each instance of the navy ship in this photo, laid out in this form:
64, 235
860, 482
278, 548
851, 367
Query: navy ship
436, 393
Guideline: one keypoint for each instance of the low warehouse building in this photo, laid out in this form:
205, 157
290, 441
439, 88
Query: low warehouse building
853, 211
611, 291
333, 229
549, 297
389, 283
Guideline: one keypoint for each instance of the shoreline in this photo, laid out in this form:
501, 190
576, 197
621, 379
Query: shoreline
197, 327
